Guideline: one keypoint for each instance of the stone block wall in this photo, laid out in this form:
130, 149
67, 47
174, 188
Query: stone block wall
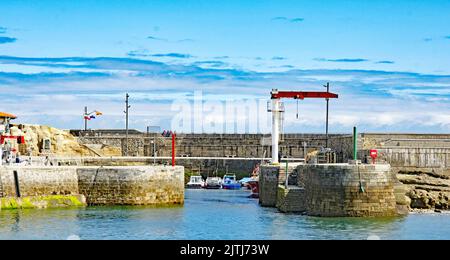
268, 185
119, 185
335, 190
132, 185
225, 145
206, 167
291, 199
349, 190
425, 151
409, 152
38, 181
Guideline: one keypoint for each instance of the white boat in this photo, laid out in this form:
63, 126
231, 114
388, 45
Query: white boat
213, 183
195, 182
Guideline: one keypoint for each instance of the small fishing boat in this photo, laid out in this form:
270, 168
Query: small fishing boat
230, 183
213, 183
244, 182
195, 182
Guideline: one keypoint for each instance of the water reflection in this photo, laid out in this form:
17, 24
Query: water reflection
351, 228
213, 214
38, 224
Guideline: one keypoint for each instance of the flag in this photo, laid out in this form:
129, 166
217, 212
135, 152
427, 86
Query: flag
92, 117
98, 113
87, 118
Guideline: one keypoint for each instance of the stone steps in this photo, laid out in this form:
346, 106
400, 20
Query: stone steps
282, 172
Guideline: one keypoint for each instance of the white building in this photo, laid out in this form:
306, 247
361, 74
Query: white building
5, 120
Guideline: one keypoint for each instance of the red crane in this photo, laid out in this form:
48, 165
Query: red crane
277, 110
302, 94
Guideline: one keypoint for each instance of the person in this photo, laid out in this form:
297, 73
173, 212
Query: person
18, 158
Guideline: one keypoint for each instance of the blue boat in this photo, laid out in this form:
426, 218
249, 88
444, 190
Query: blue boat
230, 183
244, 182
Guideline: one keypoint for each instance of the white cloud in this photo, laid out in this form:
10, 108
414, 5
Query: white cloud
377, 100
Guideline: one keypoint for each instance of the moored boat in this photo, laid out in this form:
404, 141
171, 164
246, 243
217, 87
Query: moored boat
244, 182
230, 183
195, 182
213, 183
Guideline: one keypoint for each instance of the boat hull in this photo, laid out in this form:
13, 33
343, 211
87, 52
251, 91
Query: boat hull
194, 186
234, 186
254, 185
213, 187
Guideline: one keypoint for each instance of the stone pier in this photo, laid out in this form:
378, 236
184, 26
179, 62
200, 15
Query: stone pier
334, 190
112, 185
349, 190
268, 185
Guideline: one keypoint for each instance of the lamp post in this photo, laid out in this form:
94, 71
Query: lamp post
326, 127
127, 107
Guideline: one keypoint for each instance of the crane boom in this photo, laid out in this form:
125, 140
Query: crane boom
302, 94
277, 109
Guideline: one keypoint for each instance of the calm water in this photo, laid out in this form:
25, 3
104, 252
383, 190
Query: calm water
214, 214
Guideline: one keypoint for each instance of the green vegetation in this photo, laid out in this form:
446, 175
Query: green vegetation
50, 201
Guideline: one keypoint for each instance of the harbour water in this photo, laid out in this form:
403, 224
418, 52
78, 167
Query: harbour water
211, 214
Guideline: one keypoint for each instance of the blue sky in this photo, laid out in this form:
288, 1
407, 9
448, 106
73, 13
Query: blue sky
388, 60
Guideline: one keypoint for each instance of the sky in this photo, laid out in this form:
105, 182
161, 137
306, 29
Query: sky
389, 61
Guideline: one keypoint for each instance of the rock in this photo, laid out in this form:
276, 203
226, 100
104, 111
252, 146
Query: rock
426, 190
62, 142
419, 199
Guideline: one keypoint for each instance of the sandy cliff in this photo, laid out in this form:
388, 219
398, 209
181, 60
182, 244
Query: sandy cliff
62, 142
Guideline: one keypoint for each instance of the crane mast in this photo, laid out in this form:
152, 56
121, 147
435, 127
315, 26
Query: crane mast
277, 108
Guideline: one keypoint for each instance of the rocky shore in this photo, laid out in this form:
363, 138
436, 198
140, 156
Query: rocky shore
429, 191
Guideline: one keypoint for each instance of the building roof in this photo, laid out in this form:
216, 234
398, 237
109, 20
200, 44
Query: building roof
6, 115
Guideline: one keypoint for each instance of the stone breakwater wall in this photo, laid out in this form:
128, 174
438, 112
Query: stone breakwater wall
136, 185
410, 152
349, 190
268, 185
223, 145
333, 190
204, 166
118, 185
38, 181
